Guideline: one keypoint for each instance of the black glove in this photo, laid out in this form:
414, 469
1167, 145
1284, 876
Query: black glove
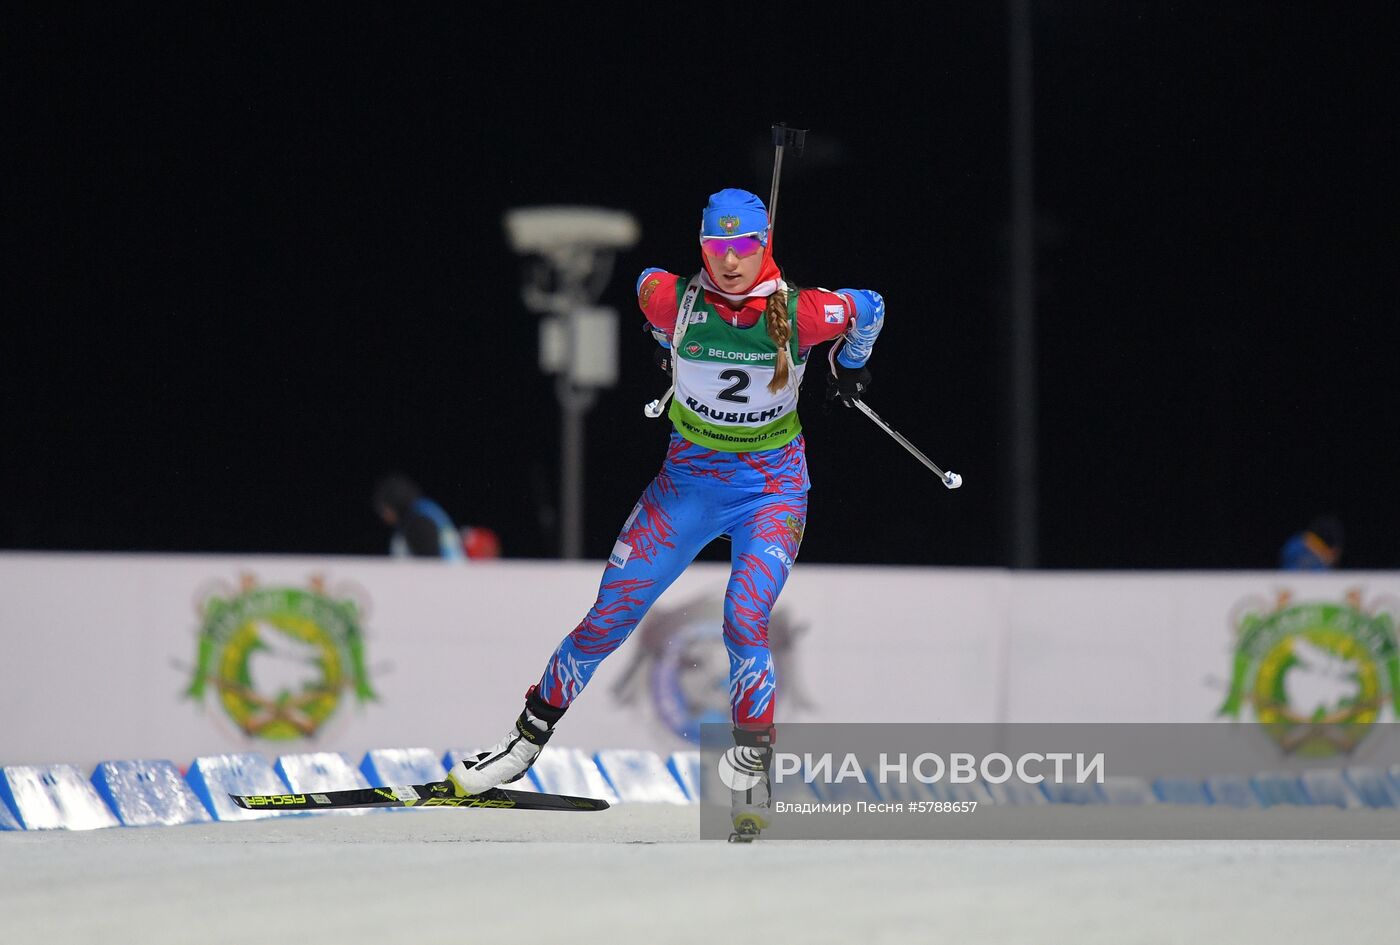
662, 357
846, 385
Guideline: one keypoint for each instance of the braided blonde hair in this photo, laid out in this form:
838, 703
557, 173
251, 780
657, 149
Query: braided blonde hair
775, 314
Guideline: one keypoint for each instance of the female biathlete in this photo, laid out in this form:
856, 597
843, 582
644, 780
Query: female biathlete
736, 466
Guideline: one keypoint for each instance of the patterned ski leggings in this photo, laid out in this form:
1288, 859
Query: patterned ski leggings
678, 516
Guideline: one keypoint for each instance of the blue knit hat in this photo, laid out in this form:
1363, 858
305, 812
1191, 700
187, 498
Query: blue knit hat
731, 212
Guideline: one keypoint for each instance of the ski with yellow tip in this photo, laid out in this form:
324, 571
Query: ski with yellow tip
432, 794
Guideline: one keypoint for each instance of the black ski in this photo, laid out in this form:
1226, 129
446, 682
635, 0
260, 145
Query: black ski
432, 794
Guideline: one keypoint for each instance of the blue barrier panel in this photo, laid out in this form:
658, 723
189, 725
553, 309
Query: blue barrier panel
1181, 791
390, 767
148, 793
938, 790
1393, 773
1072, 793
971, 791
1017, 794
1372, 787
1231, 791
54, 797
910, 789
214, 777
323, 771
454, 755
639, 776
572, 771
1276, 787
685, 768
1327, 787
7, 817
834, 788
1126, 791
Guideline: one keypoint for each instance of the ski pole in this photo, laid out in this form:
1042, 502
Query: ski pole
783, 136
950, 479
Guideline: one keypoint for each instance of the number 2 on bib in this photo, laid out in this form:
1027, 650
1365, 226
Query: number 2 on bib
734, 392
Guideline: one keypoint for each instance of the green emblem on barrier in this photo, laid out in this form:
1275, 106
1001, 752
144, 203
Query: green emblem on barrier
1317, 675
280, 659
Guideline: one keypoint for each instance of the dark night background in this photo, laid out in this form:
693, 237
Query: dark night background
253, 262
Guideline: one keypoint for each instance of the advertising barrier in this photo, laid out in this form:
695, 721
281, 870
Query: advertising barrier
175, 657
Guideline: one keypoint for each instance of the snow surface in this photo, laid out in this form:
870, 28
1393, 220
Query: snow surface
637, 874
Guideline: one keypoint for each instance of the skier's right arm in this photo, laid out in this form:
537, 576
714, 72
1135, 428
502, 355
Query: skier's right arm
656, 295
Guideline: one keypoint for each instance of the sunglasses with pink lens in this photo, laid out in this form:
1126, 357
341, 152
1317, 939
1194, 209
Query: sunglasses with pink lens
743, 245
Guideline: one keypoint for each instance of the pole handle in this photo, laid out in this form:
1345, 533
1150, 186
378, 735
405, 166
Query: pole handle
783, 137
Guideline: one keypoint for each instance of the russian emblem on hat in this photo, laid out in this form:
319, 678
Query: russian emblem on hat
730, 212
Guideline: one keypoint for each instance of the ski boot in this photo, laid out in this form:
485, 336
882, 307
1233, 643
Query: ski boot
750, 784
513, 755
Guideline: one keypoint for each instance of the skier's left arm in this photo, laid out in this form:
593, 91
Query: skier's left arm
854, 315
862, 330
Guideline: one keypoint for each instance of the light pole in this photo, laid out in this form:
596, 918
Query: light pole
1024, 515
573, 249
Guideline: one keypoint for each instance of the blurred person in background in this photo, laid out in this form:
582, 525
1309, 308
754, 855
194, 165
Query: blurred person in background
421, 529
1316, 548
739, 338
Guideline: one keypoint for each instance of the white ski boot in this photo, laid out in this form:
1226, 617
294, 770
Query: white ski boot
513, 755
751, 787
